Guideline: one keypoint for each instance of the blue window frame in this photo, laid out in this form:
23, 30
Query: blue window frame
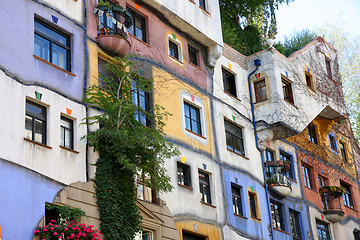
277, 215
285, 157
141, 99
52, 45
192, 118
333, 142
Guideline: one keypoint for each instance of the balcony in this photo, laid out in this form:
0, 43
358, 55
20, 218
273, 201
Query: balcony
277, 182
331, 198
112, 23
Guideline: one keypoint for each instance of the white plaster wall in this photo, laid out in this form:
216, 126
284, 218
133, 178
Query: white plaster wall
186, 202
56, 163
73, 9
230, 234
315, 214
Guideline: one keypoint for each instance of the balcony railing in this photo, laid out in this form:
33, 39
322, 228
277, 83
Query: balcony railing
277, 182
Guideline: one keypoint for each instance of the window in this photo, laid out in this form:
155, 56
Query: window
144, 235
312, 134
183, 172
52, 45
51, 213
138, 27
105, 76
188, 236
174, 50
277, 215
328, 67
332, 141
295, 224
229, 82
204, 184
309, 80
67, 132
260, 91
356, 234
269, 157
106, 24
236, 199
343, 151
35, 122
192, 118
143, 191
141, 99
234, 138
324, 198
253, 205
287, 91
202, 4
193, 56
322, 230
287, 158
307, 176
347, 198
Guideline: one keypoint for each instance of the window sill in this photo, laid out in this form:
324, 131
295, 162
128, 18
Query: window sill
195, 66
205, 11
69, 149
207, 204
281, 231
140, 40
184, 186
238, 154
176, 60
192, 1
353, 209
256, 218
37, 143
262, 101
53, 65
195, 133
240, 216
232, 95
311, 89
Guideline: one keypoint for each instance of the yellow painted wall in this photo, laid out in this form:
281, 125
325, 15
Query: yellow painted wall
167, 93
210, 232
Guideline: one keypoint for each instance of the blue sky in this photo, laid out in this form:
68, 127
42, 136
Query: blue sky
310, 14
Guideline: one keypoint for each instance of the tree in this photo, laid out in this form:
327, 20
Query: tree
297, 41
238, 15
126, 147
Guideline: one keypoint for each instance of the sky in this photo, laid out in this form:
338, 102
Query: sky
310, 14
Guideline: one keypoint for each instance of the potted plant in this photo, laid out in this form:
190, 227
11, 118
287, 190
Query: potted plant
104, 6
335, 191
271, 181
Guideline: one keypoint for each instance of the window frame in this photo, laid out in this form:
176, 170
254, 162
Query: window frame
233, 135
203, 4
193, 54
312, 133
253, 205
347, 196
309, 80
277, 215
53, 42
34, 117
307, 175
141, 96
342, 148
198, 115
229, 82
269, 157
322, 183
205, 187
63, 130
324, 228
328, 67
295, 224
259, 91
180, 58
283, 156
237, 200
134, 16
333, 142
287, 90
186, 174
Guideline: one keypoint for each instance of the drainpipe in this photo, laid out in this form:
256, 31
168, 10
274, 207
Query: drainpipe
257, 63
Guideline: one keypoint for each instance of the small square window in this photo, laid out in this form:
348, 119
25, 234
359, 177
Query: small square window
343, 151
229, 82
322, 230
307, 176
183, 173
295, 224
277, 215
174, 50
287, 91
192, 118
328, 67
35, 122
202, 4
312, 134
253, 204
260, 91
309, 80
193, 56
236, 199
52, 45
138, 26
204, 184
347, 196
234, 138
67, 132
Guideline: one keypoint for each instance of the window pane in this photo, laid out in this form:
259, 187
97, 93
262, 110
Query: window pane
38, 130
68, 141
62, 140
238, 145
42, 48
229, 142
50, 33
34, 110
59, 56
28, 127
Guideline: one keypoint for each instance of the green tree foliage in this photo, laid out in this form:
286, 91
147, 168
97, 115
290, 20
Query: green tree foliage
297, 41
238, 16
125, 147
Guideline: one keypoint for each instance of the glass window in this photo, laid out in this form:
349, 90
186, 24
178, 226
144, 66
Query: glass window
193, 56
141, 99
138, 27
260, 91
324, 198
332, 141
173, 50
287, 91
192, 118
183, 173
35, 122
295, 224
144, 235
309, 80
143, 192
204, 183
328, 67
277, 215
229, 82
322, 230
189, 236
234, 138
202, 4
307, 176
67, 132
347, 197
105, 76
236, 199
312, 134
343, 151
269, 157
287, 158
51, 45
253, 205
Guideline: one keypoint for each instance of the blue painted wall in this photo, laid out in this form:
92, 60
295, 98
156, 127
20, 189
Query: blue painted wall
22, 201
